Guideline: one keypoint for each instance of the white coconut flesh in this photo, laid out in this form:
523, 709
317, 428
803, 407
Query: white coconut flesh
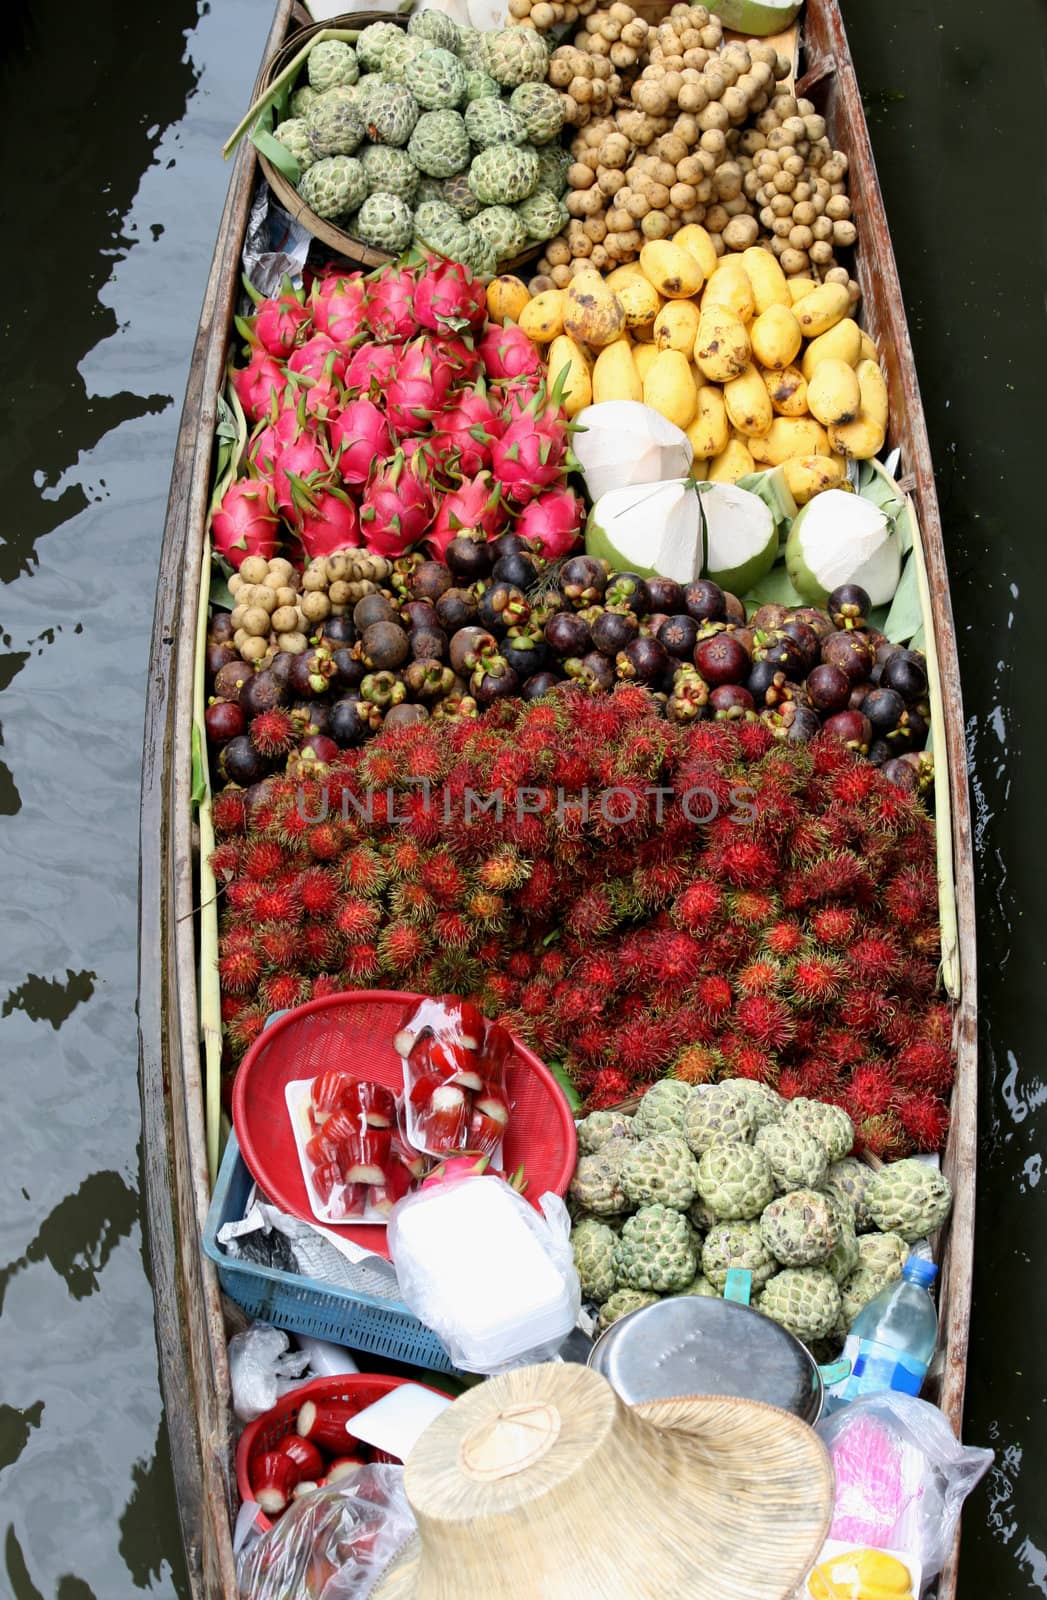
622, 442
652, 530
841, 538
741, 538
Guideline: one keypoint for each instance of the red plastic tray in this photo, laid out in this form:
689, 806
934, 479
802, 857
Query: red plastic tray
353, 1033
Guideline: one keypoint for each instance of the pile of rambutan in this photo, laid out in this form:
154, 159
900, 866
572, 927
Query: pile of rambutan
556, 866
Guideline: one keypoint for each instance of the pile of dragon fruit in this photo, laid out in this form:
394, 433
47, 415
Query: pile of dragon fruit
386, 412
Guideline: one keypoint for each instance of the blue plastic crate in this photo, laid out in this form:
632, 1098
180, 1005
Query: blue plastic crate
305, 1305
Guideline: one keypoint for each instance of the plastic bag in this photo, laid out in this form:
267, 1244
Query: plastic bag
332, 1544
493, 1277
353, 1160
901, 1476
454, 1091
260, 1362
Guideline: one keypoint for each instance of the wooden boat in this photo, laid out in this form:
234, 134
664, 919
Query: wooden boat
189, 1316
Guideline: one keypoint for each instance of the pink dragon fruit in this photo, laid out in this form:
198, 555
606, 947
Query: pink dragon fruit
530, 455
372, 368
449, 297
326, 518
397, 508
277, 322
474, 507
322, 397
245, 523
508, 353
258, 383
518, 398
466, 428
339, 305
456, 1168
552, 523
423, 379
317, 356
360, 436
390, 307
290, 445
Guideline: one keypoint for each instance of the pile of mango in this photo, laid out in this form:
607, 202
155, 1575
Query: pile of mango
758, 369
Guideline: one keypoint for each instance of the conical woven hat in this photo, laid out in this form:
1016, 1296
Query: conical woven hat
543, 1485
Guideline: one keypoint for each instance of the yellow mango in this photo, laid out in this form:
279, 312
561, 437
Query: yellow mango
748, 404
577, 390
730, 286
860, 440
699, 466
721, 349
788, 391
790, 436
775, 337
542, 318
822, 309
506, 298
592, 313
873, 390
809, 475
869, 350
676, 326
770, 285
709, 431
639, 299
614, 374
699, 244
644, 356
799, 287
731, 464
674, 272
629, 269
843, 342
833, 394
861, 1574
669, 387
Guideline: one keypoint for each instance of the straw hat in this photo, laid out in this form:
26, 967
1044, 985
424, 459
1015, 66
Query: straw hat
543, 1485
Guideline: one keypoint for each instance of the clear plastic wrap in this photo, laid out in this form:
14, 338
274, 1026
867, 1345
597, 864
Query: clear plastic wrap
260, 1363
454, 1090
901, 1476
354, 1161
332, 1544
493, 1277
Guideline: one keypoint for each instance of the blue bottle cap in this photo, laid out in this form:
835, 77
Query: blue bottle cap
919, 1270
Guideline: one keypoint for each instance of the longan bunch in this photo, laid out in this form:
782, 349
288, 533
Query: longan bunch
798, 182
277, 609
592, 71
544, 15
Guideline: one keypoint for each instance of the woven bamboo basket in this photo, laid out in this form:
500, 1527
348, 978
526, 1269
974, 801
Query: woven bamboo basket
336, 239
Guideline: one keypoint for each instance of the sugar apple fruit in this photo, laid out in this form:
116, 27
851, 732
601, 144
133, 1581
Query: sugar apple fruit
503, 229
909, 1198
662, 1107
700, 1285
830, 1124
429, 189
656, 1249
737, 1244
504, 173
478, 254
335, 128
301, 100
593, 1245
515, 55
553, 162
805, 1300
881, 1257
843, 1258
765, 1103
471, 48
798, 1160
848, 1180
544, 216
403, 49
735, 1181
599, 1126
333, 186
436, 78
479, 85
389, 171
457, 193
435, 27
439, 145
541, 109
621, 1302
717, 1116
293, 134
701, 1214
801, 1228
373, 42
597, 1186
492, 122
442, 238
331, 62
660, 1168
385, 221
392, 112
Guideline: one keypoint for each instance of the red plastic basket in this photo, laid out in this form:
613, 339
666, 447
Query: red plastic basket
354, 1032
359, 1389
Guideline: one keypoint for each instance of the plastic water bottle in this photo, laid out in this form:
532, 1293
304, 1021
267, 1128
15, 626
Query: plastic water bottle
892, 1339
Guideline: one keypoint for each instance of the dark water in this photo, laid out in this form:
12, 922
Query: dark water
112, 187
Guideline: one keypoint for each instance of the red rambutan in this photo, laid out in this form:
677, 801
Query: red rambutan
764, 1020
239, 970
244, 1029
592, 1043
591, 914
357, 919
535, 997
754, 739
241, 894
883, 1136
412, 902
263, 860
875, 959
533, 898
834, 926
610, 1087
380, 766
656, 883
759, 976
284, 990
326, 840
225, 861
500, 993
924, 1064
553, 964
814, 1078
713, 995
452, 931
672, 958
925, 1119
522, 965
279, 903
815, 980
401, 945
784, 938
697, 1063
274, 732
855, 784
864, 1009
326, 983
501, 870
753, 908
744, 862
362, 870
837, 877
443, 877
841, 1047
229, 811
746, 1060
597, 972
362, 963
404, 858
318, 889
231, 1007
319, 946
289, 826
643, 1047
278, 945
486, 908
937, 1023
699, 904
870, 1092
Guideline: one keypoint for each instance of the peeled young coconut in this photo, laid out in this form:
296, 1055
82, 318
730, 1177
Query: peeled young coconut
654, 530
755, 18
621, 442
841, 538
741, 536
